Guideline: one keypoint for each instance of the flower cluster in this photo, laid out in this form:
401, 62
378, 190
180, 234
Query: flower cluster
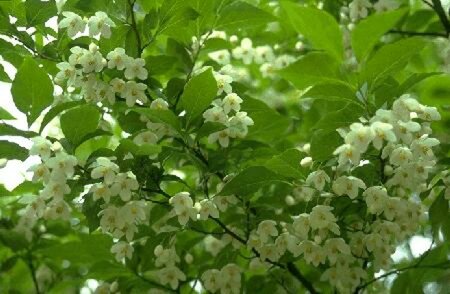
120, 215
402, 138
83, 71
170, 273
358, 9
155, 131
99, 24
54, 171
227, 280
227, 112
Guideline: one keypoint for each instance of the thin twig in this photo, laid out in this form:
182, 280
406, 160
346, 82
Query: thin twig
412, 33
29, 262
134, 26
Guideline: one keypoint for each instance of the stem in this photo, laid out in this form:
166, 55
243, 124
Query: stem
296, 273
437, 7
412, 33
29, 262
134, 26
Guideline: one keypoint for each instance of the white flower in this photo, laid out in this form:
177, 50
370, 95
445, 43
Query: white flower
58, 209
67, 72
106, 169
146, 137
359, 9
181, 201
263, 54
359, 136
40, 173
135, 68
231, 273
318, 179
286, 241
111, 219
118, 59
334, 247
122, 249
348, 186
101, 24
301, 225
55, 190
62, 164
283, 60
37, 207
222, 136
267, 228
429, 113
267, 70
321, 217
312, 252
213, 245
215, 114
77, 53
221, 56
222, 202
100, 191
118, 86
400, 156
159, 104
207, 208
41, 147
386, 5
404, 130
223, 83
269, 251
238, 125
133, 212
123, 186
375, 198
422, 147
166, 257
212, 280
348, 153
231, 102
73, 22
171, 275
91, 62
306, 162
245, 51
382, 132
134, 91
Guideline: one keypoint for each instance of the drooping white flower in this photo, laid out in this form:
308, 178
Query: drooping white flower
222, 136
106, 169
348, 186
321, 217
40, 173
159, 104
386, 5
133, 212
223, 83
268, 251
135, 68
429, 113
207, 208
134, 92
122, 249
422, 147
221, 56
91, 62
67, 72
301, 225
118, 59
375, 198
400, 156
318, 179
348, 153
212, 280
55, 190
382, 132
171, 275
231, 102
267, 228
263, 54
334, 247
215, 114
238, 125
359, 136
245, 51
41, 147
146, 137
73, 22
166, 257
101, 191
58, 209
359, 9
124, 185
62, 164
111, 219
101, 24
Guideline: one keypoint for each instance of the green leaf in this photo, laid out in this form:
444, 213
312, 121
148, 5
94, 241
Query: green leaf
241, 15
9, 130
250, 180
127, 145
198, 94
3, 75
287, 164
340, 118
318, 26
439, 212
332, 91
311, 69
161, 116
32, 89
10, 150
87, 250
413, 80
368, 31
323, 144
13, 240
391, 58
5, 115
38, 12
55, 110
269, 124
78, 122
13, 53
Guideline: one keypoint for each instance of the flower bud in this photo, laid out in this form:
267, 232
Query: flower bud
188, 258
158, 250
306, 162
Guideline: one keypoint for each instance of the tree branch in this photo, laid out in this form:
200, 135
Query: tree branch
412, 33
134, 26
437, 7
29, 262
